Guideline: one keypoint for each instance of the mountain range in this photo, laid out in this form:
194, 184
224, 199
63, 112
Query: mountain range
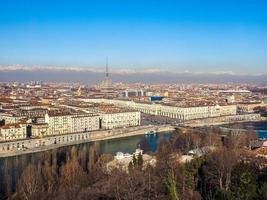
23, 73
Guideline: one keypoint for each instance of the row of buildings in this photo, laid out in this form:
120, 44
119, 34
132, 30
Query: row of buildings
171, 111
59, 122
90, 114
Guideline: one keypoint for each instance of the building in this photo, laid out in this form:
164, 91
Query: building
156, 98
10, 118
13, 131
180, 113
59, 123
114, 117
120, 119
39, 130
84, 122
123, 160
228, 110
62, 123
249, 107
230, 99
33, 111
133, 93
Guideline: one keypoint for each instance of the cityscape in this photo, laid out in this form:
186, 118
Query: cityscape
144, 108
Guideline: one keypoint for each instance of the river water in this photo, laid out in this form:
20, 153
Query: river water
260, 127
13, 166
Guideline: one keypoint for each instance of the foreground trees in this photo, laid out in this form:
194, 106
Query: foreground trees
244, 181
219, 166
72, 180
225, 172
31, 183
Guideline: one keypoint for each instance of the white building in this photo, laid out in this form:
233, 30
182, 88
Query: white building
120, 119
122, 161
249, 107
181, 113
10, 118
230, 99
84, 122
228, 110
71, 123
58, 123
13, 131
39, 130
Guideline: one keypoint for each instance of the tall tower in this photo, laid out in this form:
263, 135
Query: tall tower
106, 83
106, 67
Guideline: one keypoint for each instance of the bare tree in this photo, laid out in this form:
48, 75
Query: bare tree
6, 179
211, 139
50, 177
219, 166
187, 140
30, 186
72, 179
93, 157
237, 140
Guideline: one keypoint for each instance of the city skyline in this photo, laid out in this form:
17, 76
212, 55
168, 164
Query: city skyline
164, 35
133, 99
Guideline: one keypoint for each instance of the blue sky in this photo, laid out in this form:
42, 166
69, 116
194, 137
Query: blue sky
200, 35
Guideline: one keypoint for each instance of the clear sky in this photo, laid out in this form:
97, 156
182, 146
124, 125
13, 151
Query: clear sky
199, 35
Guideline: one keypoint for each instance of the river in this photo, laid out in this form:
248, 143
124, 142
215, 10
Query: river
11, 167
260, 127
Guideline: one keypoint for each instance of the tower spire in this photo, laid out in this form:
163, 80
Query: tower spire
106, 66
106, 83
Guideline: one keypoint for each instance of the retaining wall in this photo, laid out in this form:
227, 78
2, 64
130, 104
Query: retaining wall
42, 144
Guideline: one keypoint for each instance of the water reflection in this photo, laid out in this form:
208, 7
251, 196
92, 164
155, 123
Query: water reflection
128, 145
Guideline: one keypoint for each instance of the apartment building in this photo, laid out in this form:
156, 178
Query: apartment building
10, 118
249, 107
13, 131
228, 110
84, 122
39, 130
120, 119
59, 123
62, 123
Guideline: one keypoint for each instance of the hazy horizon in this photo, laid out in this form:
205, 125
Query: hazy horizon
148, 75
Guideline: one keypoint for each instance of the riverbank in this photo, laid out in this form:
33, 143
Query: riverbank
260, 127
54, 142
220, 123
216, 121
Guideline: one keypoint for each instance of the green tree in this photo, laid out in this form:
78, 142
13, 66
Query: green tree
172, 186
134, 161
244, 181
263, 191
140, 160
191, 172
